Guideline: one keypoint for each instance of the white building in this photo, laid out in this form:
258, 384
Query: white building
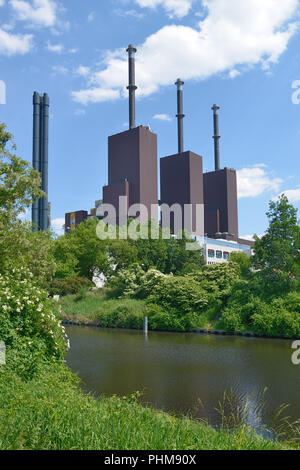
218, 251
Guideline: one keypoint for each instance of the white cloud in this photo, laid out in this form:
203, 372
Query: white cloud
129, 14
234, 33
293, 195
57, 225
162, 117
74, 50
95, 95
174, 8
252, 182
59, 70
83, 71
55, 47
2, 3
38, 12
251, 237
11, 44
234, 73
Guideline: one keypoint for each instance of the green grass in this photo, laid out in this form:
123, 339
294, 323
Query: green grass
98, 307
51, 412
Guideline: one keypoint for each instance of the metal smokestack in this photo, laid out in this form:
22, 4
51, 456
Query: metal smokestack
36, 153
132, 87
180, 114
216, 136
44, 158
40, 211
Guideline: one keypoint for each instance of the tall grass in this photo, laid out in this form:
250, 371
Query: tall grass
51, 412
98, 307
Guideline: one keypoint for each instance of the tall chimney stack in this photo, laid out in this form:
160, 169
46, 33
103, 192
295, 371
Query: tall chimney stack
216, 136
40, 210
36, 153
180, 114
132, 87
44, 158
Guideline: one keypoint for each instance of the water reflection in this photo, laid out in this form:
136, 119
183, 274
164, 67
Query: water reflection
176, 370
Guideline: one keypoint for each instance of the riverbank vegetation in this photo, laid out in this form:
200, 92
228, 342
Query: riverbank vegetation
50, 412
41, 403
259, 294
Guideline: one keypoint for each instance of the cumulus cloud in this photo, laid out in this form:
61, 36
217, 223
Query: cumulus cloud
293, 195
95, 95
55, 47
37, 12
233, 34
251, 237
83, 71
57, 225
59, 70
11, 44
162, 117
174, 8
253, 182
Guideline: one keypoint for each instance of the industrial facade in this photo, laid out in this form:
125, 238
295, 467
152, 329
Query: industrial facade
132, 170
133, 174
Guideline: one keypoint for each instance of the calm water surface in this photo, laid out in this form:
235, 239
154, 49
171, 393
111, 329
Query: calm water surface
176, 370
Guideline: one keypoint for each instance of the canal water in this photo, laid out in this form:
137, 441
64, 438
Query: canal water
188, 373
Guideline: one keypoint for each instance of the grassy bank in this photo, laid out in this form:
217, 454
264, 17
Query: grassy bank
98, 308
51, 412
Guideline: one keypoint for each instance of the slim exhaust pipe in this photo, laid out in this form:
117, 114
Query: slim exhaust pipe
131, 87
180, 114
216, 136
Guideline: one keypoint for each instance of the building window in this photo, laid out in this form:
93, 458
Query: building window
219, 254
211, 253
226, 255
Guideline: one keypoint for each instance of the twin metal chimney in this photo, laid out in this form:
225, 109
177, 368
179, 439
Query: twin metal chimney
216, 136
40, 209
180, 114
131, 87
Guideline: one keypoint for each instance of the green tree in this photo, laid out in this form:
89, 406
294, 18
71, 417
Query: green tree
82, 252
181, 260
19, 186
243, 261
19, 183
277, 253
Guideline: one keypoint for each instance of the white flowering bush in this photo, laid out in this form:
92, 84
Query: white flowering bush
150, 281
29, 323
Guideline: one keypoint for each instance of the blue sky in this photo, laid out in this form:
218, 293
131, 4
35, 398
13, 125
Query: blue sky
245, 56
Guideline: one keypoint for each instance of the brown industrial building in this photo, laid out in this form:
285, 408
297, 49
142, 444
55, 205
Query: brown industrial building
132, 170
73, 219
221, 207
181, 182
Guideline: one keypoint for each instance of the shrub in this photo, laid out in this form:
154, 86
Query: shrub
222, 275
29, 324
275, 320
160, 319
182, 294
73, 285
127, 281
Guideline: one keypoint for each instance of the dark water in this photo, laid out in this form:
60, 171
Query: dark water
176, 370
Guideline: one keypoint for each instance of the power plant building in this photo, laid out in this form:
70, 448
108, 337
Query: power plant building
181, 181
211, 197
132, 162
